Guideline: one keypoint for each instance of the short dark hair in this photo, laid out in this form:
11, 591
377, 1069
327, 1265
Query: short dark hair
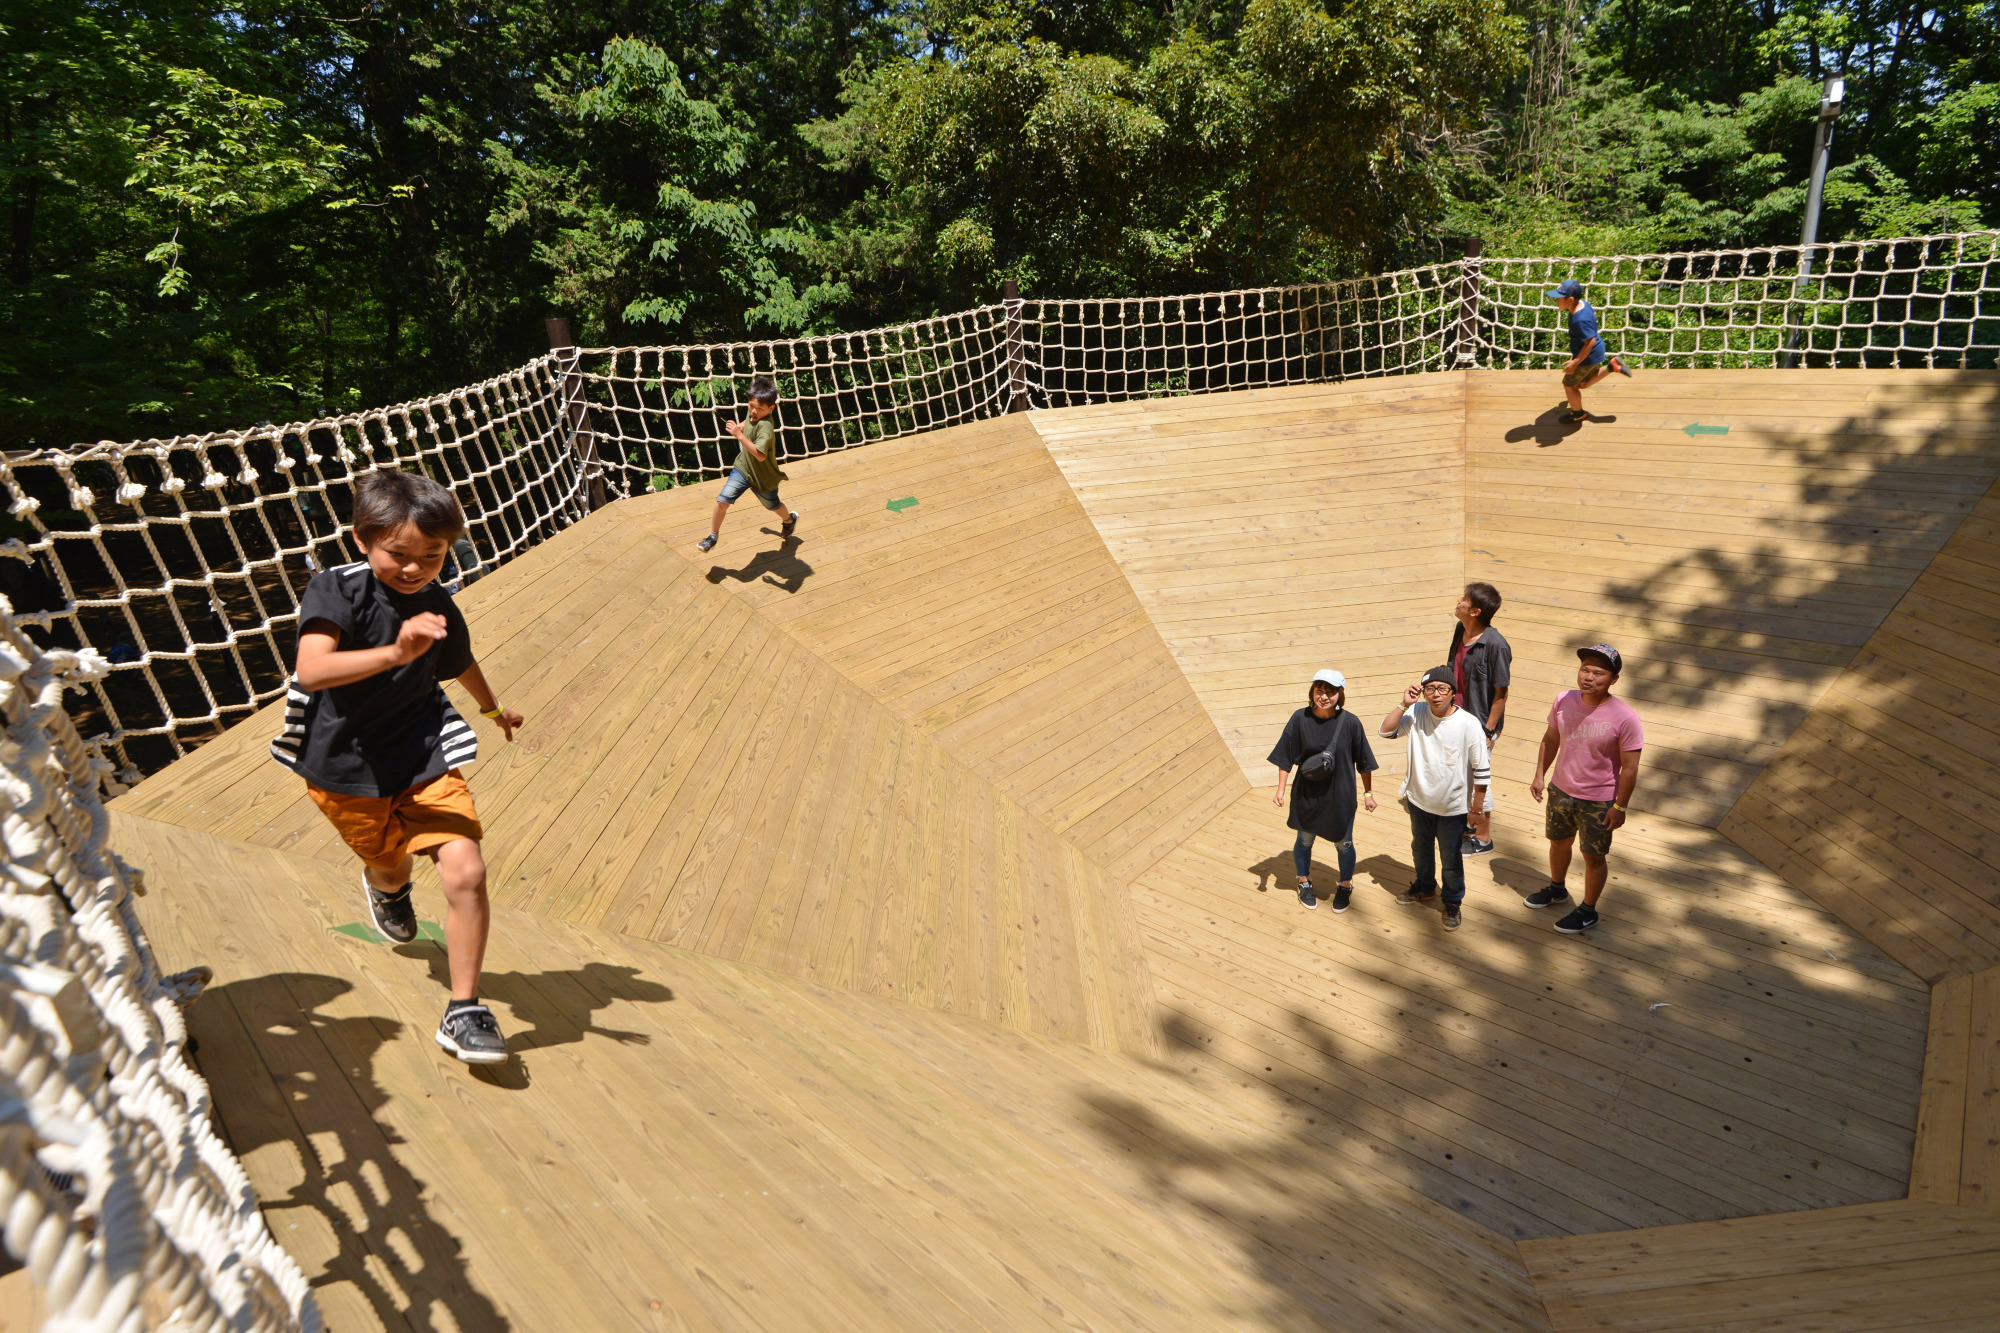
1340, 693
764, 389
1485, 599
387, 499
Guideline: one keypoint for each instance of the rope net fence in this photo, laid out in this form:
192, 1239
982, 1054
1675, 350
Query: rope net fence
182, 561
118, 1198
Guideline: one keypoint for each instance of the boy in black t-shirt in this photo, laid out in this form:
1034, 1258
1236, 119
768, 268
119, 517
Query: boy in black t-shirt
367, 725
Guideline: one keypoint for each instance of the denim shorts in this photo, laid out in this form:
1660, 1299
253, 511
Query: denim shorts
733, 488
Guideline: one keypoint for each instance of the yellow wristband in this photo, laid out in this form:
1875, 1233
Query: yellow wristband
493, 713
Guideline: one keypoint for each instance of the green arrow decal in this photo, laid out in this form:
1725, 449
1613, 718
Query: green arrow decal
1698, 429
898, 506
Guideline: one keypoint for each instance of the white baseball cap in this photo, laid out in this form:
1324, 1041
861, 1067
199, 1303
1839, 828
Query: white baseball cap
1333, 678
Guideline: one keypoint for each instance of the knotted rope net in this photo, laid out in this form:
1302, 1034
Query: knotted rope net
182, 560
117, 1197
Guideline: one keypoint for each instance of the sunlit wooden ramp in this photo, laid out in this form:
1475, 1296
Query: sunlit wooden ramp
896, 929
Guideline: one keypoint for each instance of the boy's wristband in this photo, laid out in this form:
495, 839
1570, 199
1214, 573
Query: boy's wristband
493, 713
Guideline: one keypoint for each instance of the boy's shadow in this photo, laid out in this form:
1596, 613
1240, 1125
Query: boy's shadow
556, 1005
781, 568
282, 1073
1553, 427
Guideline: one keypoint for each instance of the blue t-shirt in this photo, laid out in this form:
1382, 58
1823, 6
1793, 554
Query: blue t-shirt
1582, 328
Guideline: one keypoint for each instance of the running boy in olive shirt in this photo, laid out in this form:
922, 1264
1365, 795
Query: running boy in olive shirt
756, 467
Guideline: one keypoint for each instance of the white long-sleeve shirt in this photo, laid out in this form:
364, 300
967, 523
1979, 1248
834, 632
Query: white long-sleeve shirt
1448, 758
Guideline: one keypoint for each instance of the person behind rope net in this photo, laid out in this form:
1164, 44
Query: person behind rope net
1329, 746
1482, 666
1588, 361
1593, 742
756, 466
368, 726
1447, 775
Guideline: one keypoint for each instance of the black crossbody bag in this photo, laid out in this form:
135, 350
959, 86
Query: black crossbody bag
1319, 767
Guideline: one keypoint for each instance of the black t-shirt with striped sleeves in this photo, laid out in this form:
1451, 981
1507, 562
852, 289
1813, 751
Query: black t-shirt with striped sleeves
396, 729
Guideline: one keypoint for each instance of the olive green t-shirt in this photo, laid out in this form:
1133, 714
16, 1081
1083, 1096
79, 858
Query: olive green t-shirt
764, 476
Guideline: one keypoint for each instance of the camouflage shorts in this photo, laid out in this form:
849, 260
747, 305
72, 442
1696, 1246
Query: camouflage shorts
1576, 379
1568, 816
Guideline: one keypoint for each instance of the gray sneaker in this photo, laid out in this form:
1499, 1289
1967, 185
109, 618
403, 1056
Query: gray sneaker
1547, 896
1307, 898
1474, 847
1453, 919
392, 913
471, 1033
1409, 897
790, 525
706, 543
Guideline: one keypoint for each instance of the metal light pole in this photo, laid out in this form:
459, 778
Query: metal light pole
1829, 111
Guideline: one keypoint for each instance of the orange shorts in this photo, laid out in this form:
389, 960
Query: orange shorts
383, 830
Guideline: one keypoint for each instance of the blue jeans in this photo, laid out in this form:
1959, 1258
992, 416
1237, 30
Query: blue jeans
1302, 856
736, 483
1430, 834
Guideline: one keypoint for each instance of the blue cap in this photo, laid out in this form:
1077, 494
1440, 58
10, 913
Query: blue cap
1569, 287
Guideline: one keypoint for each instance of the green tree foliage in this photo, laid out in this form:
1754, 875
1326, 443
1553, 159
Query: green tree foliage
217, 214
1690, 124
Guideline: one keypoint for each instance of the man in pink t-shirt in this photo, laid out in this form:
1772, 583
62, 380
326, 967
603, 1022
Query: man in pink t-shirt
1593, 741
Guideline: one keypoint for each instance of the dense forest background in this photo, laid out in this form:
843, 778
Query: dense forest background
219, 213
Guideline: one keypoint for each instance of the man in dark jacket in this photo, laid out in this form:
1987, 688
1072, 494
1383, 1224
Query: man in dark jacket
1481, 664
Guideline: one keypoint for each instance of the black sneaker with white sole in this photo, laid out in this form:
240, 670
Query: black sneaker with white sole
1474, 847
1547, 896
790, 525
470, 1032
1343, 894
1307, 898
1582, 919
392, 913
706, 543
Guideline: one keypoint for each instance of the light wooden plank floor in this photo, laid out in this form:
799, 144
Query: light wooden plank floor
1719, 1046
1957, 1159
1271, 533
1883, 804
693, 774
990, 617
1738, 573
686, 1143
1868, 1268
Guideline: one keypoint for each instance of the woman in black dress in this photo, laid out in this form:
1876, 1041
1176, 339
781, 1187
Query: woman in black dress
1329, 746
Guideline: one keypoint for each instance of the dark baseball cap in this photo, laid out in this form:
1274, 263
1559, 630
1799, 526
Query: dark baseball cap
1441, 673
1605, 651
1569, 287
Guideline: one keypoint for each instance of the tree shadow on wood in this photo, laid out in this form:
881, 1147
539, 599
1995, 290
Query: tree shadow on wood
286, 1076
781, 568
1758, 618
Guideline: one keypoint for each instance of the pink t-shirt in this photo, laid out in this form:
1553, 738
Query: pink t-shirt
1592, 740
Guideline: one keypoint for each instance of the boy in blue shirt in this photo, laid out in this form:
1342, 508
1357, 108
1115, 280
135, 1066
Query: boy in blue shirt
1588, 361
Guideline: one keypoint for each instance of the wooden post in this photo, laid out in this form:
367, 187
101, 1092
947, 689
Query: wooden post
1465, 353
576, 410
1017, 364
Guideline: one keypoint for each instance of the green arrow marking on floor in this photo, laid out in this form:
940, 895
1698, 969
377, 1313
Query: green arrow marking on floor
898, 506
1698, 429
426, 930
